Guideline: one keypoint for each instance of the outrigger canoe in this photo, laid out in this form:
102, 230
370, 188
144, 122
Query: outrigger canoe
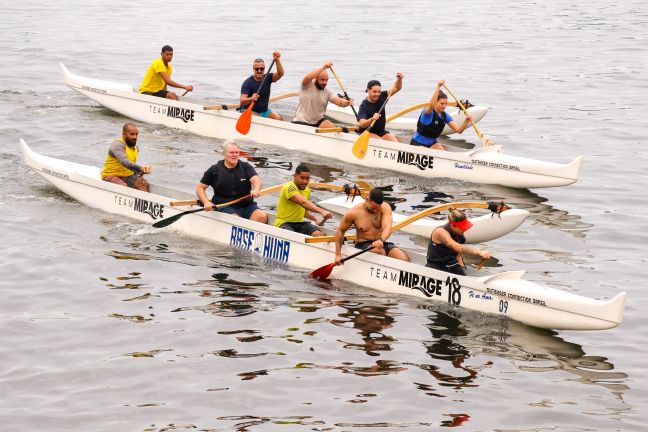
485, 228
486, 164
505, 294
346, 115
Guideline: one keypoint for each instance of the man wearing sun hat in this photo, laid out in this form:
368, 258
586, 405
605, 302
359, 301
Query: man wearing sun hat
446, 244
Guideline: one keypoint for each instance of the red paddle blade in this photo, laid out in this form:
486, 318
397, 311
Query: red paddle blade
244, 121
323, 272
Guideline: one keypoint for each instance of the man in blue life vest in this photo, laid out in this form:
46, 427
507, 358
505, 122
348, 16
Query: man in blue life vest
158, 76
433, 119
121, 163
251, 91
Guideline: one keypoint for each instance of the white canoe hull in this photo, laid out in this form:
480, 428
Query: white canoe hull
485, 228
345, 115
505, 294
483, 165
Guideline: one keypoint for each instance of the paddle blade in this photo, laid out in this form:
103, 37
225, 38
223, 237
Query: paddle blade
323, 272
168, 221
361, 145
245, 120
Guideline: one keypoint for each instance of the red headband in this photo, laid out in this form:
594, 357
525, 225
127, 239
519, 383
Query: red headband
463, 225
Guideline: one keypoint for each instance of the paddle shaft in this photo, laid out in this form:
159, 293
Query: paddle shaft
168, 221
325, 271
409, 220
484, 140
234, 106
346, 95
264, 81
355, 254
389, 119
389, 95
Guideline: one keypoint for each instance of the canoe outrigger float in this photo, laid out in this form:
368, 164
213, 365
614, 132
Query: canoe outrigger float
505, 294
483, 229
486, 164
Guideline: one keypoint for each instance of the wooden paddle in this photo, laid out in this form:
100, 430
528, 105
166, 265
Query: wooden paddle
414, 218
345, 129
361, 145
234, 106
184, 203
324, 271
168, 221
186, 91
485, 141
405, 111
346, 95
245, 120
390, 118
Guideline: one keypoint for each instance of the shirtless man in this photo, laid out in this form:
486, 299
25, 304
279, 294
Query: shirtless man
373, 223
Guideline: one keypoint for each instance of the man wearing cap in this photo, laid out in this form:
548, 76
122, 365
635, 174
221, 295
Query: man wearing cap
369, 109
373, 223
446, 244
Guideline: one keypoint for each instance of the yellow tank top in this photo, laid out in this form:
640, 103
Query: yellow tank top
288, 210
113, 167
152, 81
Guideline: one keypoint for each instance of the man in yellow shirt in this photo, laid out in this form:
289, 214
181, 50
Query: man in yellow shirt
293, 205
158, 76
121, 163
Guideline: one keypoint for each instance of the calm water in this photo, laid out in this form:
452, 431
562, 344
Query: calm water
109, 325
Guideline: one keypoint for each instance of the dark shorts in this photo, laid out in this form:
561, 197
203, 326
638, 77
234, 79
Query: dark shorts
244, 212
416, 143
161, 93
367, 244
319, 122
305, 228
452, 267
381, 133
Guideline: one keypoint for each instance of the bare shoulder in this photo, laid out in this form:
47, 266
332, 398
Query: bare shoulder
385, 208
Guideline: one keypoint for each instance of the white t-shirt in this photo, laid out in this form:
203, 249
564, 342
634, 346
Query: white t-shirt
312, 103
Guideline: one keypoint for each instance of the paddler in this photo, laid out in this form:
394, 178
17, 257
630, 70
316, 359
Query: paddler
294, 205
314, 96
121, 163
158, 76
373, 222
232, 178
433, 119
251, 91
446, 245
368, 111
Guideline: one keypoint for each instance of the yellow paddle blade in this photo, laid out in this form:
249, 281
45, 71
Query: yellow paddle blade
361, 145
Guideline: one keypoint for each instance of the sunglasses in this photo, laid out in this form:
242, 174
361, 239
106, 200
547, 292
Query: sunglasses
259, 69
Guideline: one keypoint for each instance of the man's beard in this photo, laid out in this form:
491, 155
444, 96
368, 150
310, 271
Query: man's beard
130, 143
319, 86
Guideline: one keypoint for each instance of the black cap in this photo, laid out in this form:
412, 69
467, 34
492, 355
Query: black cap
372, 83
